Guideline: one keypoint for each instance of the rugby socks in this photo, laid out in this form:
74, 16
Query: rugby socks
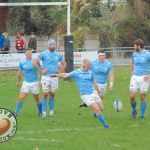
44, 104
39, 105
143, 108
51, 103
133, 105
102, 120
18, 107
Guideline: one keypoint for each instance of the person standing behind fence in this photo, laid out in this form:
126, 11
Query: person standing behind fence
1, 43
20, 43
33, 42
6, 43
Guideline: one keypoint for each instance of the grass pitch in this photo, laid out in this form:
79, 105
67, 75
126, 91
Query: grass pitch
74, 128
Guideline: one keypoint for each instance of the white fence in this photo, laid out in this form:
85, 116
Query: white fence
117, 57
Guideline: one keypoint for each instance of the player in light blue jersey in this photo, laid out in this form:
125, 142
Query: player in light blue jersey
102, 70
140, 62
50, 59
30, 83
86, 84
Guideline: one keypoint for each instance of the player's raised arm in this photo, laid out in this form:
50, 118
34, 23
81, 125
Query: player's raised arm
61, 75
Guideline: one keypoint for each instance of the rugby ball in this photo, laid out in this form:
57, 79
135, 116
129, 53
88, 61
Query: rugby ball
117, 105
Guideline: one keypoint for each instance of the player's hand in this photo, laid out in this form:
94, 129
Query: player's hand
146, 77
59, 71
18, 84
44, 71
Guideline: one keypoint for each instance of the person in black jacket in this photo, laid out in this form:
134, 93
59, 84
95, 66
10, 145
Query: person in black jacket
33, 42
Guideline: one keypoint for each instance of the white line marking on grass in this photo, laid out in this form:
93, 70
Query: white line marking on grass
58, 130
38, 139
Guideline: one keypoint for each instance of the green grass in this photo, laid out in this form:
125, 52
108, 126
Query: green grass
73, 128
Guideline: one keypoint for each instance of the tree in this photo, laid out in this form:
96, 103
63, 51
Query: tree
3, 17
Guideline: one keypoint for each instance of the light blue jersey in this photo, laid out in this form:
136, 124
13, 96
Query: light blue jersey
29, 71
84, 81
50, 61
141, 61
101, 70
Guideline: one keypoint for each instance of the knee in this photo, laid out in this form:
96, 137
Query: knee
142, 96
45, 95
52, 94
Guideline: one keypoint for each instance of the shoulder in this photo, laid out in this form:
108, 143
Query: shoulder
94, 62
22, 62
44, 52
57, 53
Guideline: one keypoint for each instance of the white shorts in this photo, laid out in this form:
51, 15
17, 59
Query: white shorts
102, 88
89, 99
138, 83
49, 84
30, 87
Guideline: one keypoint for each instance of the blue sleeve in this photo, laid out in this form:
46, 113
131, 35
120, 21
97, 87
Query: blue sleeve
148, 56
73, 74
21, 67
41, 56
61, 58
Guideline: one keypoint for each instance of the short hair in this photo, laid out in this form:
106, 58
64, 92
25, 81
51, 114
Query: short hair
86, 61
28, 49
139, 42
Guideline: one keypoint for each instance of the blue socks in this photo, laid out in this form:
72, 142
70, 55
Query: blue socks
39, 108
101, 119
18, 107
44, 104
51, 103
143, 108
133, 105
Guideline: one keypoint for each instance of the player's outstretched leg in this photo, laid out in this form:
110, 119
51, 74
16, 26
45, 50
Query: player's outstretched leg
133, 104
19, 105
143, 105
98, 114
39, 104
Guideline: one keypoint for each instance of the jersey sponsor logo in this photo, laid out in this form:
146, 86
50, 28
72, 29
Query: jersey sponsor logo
8, 125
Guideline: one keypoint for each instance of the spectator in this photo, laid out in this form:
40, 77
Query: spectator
6, 43
1, 43
20, 43
33, 42
25, 41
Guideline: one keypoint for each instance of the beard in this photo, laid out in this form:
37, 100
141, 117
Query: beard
137, 49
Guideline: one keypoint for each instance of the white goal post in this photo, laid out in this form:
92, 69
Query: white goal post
44, 4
